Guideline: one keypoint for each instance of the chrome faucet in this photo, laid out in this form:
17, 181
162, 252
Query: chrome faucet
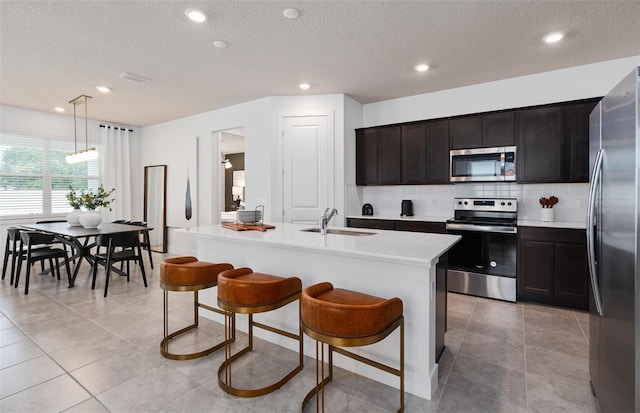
325, 218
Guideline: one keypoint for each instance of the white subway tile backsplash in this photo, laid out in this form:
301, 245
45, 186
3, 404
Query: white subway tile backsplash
437, 200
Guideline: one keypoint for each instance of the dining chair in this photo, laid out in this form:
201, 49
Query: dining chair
129, 250
11, 248
34, 242
53, 221
145, 239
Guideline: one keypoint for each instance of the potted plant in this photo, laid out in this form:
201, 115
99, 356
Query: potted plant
92, 200
75, 201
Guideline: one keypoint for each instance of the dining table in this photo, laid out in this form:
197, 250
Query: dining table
79, 239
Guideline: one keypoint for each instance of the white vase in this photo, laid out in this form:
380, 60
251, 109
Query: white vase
547, 215
91, 219
73, 218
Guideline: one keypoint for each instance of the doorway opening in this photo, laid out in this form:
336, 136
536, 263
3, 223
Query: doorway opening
232, 166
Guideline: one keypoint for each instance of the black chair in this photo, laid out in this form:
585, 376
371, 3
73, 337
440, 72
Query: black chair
129, 245
52, 221
34, 240
145, 239
11, 248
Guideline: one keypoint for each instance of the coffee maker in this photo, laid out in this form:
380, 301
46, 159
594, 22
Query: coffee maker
407, 208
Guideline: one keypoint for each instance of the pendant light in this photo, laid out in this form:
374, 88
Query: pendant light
86, 154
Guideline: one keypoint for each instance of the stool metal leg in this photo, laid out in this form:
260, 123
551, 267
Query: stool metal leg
226, 383
164, 344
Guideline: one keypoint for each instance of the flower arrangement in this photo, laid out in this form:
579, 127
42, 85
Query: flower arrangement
75, 201
90, 199
548, 202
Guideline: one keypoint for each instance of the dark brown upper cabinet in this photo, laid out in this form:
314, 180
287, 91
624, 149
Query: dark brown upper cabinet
378, 156
553, 143
481, 131
541, 145
577, 134
425, 153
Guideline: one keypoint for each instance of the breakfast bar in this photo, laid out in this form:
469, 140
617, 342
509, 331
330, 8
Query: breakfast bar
380, 263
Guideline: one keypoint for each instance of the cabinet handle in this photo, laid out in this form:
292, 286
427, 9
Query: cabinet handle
594, 187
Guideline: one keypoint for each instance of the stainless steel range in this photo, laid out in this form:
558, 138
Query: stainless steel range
483, 263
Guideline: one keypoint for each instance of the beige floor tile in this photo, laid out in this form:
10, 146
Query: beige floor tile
27, 374
489, 380
151, 391
550, 321
54, 395
571, 344
547, 395
493, 350
88, 406
11, 336
18, 352
458, 400
557, 366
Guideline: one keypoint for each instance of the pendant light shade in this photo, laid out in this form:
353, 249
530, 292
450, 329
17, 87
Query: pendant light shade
86, 154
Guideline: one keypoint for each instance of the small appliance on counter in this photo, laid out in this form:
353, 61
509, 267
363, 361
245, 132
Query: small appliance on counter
407, 208
367, 209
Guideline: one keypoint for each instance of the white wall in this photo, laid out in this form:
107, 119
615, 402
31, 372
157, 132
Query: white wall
574, 83
174, 144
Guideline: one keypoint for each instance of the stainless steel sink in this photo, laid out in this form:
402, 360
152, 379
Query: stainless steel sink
340, 232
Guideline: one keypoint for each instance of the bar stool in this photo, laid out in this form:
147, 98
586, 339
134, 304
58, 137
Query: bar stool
343, 318
188, 274
241, 291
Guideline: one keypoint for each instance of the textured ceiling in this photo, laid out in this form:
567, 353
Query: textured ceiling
53, 51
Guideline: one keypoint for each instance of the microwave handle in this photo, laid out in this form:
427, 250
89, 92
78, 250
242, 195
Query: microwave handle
503, 156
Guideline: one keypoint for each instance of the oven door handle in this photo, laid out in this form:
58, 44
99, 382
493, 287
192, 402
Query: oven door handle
482, 228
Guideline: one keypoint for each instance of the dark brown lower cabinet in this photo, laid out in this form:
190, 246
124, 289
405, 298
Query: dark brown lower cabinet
441, 267
552, 267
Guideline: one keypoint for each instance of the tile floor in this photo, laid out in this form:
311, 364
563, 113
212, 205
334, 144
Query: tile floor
73, 350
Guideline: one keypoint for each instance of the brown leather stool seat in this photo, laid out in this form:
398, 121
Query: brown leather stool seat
188, 274
245, 292
344, 318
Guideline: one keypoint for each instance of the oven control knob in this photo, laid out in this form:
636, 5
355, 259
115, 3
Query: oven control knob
502, 203
459, 202
466, 203
493, 264
509, 203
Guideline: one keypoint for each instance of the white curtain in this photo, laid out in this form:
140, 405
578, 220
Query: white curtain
116, 171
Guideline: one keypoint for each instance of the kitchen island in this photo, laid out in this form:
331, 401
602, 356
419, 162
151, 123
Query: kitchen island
382, 263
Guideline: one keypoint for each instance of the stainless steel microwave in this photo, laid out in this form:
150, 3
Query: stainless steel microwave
483, 164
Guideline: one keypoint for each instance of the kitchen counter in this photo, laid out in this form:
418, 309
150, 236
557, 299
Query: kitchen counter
386, 264
521, 222
423, 218
555, 224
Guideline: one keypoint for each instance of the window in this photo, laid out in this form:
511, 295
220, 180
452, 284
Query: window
35, 179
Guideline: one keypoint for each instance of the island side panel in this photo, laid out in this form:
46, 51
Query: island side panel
414, 283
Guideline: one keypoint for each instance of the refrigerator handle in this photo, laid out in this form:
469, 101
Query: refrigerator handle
594, 185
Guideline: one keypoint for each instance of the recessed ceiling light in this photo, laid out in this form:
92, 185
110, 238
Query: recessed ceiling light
553, 37
103, 89
220, 44
291, 13
58, 109
304, 86
421, 67
196, 15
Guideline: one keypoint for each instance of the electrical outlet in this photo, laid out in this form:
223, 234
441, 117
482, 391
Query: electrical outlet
262, 201
582, 204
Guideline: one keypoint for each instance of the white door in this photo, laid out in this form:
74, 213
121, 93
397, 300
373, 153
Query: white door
307, 179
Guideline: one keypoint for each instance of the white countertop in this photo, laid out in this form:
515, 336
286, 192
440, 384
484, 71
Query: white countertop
419, 248
521, 222
555, 224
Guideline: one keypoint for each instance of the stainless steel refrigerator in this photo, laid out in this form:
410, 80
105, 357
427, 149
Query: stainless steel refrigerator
612, 242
